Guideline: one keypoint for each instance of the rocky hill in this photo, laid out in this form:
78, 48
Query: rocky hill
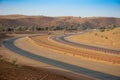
54, 23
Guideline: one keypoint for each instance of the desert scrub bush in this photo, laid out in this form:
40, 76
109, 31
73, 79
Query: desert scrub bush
106, 37
96, 34
1, 59
18, 65
102, 29
102, 36
107, 30
14, 61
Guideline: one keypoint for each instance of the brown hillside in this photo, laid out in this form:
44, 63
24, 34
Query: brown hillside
44, 21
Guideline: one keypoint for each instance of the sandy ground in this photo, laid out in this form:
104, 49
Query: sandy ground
11, 72
21, 60
28, 45
70, 50
108, 39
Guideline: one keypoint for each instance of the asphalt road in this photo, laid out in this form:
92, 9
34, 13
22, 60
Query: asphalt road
63, 40
9, 43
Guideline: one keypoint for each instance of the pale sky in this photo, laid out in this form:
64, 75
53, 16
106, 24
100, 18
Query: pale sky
83, 8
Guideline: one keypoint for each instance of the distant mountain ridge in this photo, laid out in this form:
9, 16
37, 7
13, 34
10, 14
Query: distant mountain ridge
65, 21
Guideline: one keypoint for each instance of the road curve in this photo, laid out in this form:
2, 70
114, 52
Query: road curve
9, 43
63, 40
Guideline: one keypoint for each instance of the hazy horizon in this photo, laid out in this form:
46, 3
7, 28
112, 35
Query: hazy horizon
55, 8
58, 16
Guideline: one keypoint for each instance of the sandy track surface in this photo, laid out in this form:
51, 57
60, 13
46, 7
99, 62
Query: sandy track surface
38, 70
64, 48
9, 55
29, 45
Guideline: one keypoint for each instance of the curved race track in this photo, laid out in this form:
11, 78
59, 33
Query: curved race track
10, 45
63, 40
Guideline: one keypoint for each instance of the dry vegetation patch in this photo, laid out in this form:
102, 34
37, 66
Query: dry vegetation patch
9, 71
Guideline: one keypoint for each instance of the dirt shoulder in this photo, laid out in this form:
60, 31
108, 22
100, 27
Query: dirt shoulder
9, 71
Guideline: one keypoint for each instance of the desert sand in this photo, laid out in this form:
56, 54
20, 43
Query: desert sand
109, 39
